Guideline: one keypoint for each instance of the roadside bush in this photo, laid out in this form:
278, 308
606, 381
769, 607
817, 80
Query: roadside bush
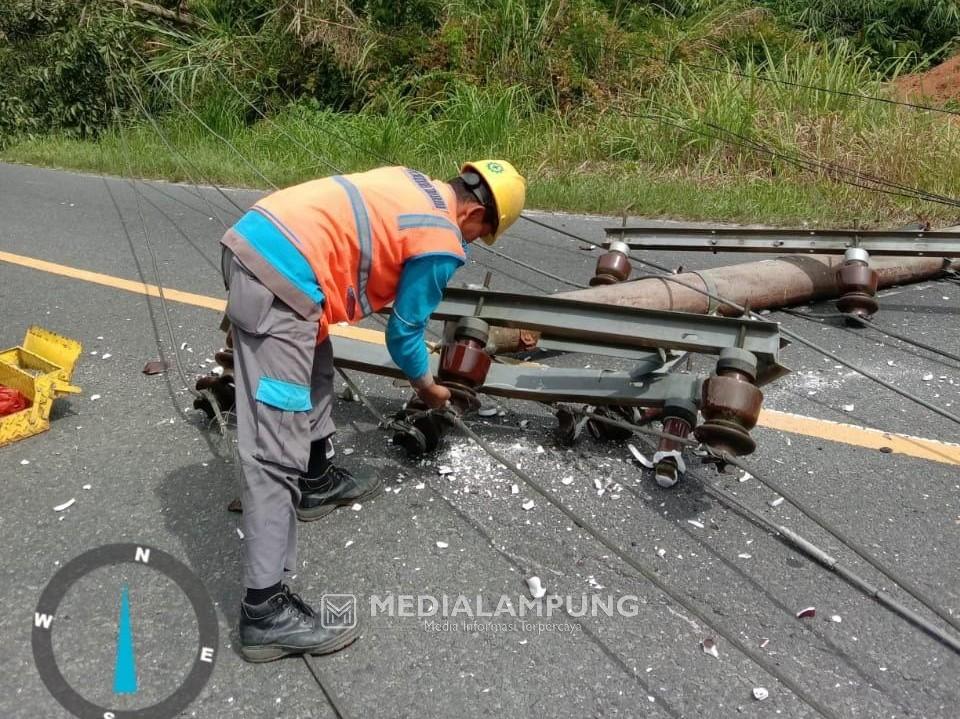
922, 30
56, 65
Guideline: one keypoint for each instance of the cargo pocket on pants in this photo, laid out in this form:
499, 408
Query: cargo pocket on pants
283, 423
248, 302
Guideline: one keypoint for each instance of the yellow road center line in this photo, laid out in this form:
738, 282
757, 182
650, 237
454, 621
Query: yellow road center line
929, 449
142, 288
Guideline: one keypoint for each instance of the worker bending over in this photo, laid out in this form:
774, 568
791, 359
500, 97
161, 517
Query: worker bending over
301, 260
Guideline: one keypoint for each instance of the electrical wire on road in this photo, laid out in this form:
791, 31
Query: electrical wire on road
870, 324
625, 556
650, 575
814, 516
386, 423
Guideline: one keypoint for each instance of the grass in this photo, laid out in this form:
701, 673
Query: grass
609, 188
629, 155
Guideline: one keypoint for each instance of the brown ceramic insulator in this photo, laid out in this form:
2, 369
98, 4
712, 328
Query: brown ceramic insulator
465, 362
730, 404
857, 282
612, 267
677, 427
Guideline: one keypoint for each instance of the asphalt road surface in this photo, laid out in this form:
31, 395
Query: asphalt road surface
145, 468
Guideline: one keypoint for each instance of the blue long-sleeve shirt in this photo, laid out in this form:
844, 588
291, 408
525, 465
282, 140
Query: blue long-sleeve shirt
419, 292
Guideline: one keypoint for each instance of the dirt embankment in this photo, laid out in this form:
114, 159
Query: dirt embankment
940, 83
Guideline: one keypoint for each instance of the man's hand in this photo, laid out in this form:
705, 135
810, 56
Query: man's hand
434, 395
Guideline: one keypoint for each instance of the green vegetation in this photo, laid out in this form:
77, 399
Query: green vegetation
605, 104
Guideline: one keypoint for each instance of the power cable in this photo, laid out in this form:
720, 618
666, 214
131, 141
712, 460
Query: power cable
812, 515
277, 125
532, 268
385, 423
193, 113
896, 335
818, 163
736, 306
870, 324
186, 161
649, 574
867, 183
468, 431
811, 551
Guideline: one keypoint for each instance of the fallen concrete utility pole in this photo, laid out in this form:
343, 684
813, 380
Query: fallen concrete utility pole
766, 284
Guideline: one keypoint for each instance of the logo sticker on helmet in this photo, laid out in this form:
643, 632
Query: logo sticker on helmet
494, 167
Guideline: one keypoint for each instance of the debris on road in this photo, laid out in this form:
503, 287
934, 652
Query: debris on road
528, 505
776, 502
442, 545
807, 613
695, 523
66, 505
488, 411
443, 470
836, 618
760, 693
155, 367
640, 456
535, 586
709, 646
356, 507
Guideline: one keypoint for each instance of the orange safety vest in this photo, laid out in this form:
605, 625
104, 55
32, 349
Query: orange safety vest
355, 232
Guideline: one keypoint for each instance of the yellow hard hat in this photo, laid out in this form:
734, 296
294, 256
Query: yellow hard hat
506, 185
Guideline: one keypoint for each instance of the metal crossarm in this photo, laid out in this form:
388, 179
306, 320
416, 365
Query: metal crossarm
587, 326
876, 242
536, 382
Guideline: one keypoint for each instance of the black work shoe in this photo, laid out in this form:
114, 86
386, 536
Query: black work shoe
285, 625
336, 487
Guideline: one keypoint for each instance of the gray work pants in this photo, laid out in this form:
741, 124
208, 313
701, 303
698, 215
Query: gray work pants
273, 346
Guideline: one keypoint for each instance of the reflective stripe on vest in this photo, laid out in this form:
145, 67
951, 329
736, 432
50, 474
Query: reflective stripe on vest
409, 222
362, 220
